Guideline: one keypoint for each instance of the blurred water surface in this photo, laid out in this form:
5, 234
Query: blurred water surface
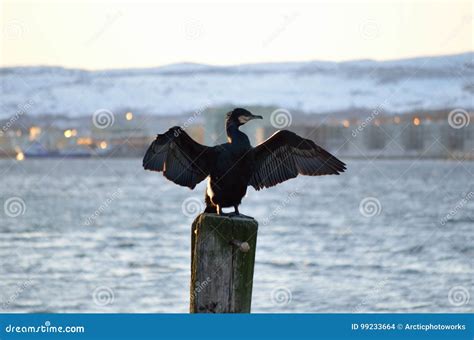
105, 236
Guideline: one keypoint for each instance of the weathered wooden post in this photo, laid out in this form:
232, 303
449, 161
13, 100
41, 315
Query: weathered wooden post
222, 263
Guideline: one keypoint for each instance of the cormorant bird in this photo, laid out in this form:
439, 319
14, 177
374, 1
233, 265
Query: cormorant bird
233, 166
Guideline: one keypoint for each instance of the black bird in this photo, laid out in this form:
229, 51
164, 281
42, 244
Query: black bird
233, 166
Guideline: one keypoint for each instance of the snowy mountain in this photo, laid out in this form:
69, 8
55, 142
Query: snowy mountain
313, 87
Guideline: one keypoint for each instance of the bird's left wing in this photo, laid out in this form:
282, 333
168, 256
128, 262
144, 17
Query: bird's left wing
285, 155
180, 158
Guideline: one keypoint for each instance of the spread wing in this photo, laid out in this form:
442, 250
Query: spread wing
180, 158
285, 155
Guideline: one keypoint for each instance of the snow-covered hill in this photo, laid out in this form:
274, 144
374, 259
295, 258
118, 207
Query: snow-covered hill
313, 87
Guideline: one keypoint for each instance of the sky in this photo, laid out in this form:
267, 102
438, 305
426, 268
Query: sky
132, 34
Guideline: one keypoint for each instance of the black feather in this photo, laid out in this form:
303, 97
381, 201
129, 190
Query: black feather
285, 155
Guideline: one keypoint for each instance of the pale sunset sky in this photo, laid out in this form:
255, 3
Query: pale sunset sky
121, 34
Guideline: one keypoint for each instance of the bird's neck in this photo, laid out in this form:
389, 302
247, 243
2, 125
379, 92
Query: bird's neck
234, 134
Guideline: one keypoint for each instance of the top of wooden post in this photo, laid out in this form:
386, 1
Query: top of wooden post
234, 218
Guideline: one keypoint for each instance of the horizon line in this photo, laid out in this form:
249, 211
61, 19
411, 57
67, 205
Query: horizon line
236, 65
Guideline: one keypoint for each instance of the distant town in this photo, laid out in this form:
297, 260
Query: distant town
443, 134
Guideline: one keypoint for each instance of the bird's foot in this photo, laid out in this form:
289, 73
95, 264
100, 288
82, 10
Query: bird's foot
234, 215
221, 213
237, 214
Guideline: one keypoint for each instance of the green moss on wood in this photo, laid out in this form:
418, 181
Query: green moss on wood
221, 274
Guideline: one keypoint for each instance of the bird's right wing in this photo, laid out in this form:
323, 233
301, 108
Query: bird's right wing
285, 155
180, 158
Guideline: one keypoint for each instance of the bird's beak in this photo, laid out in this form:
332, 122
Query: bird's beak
256, 117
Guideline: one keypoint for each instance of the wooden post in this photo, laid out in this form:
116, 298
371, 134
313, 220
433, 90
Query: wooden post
222, 262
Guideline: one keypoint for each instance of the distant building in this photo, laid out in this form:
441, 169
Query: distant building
360, 134
130, 134
412, 135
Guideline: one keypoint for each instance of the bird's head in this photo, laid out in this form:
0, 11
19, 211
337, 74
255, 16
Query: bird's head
240, 116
